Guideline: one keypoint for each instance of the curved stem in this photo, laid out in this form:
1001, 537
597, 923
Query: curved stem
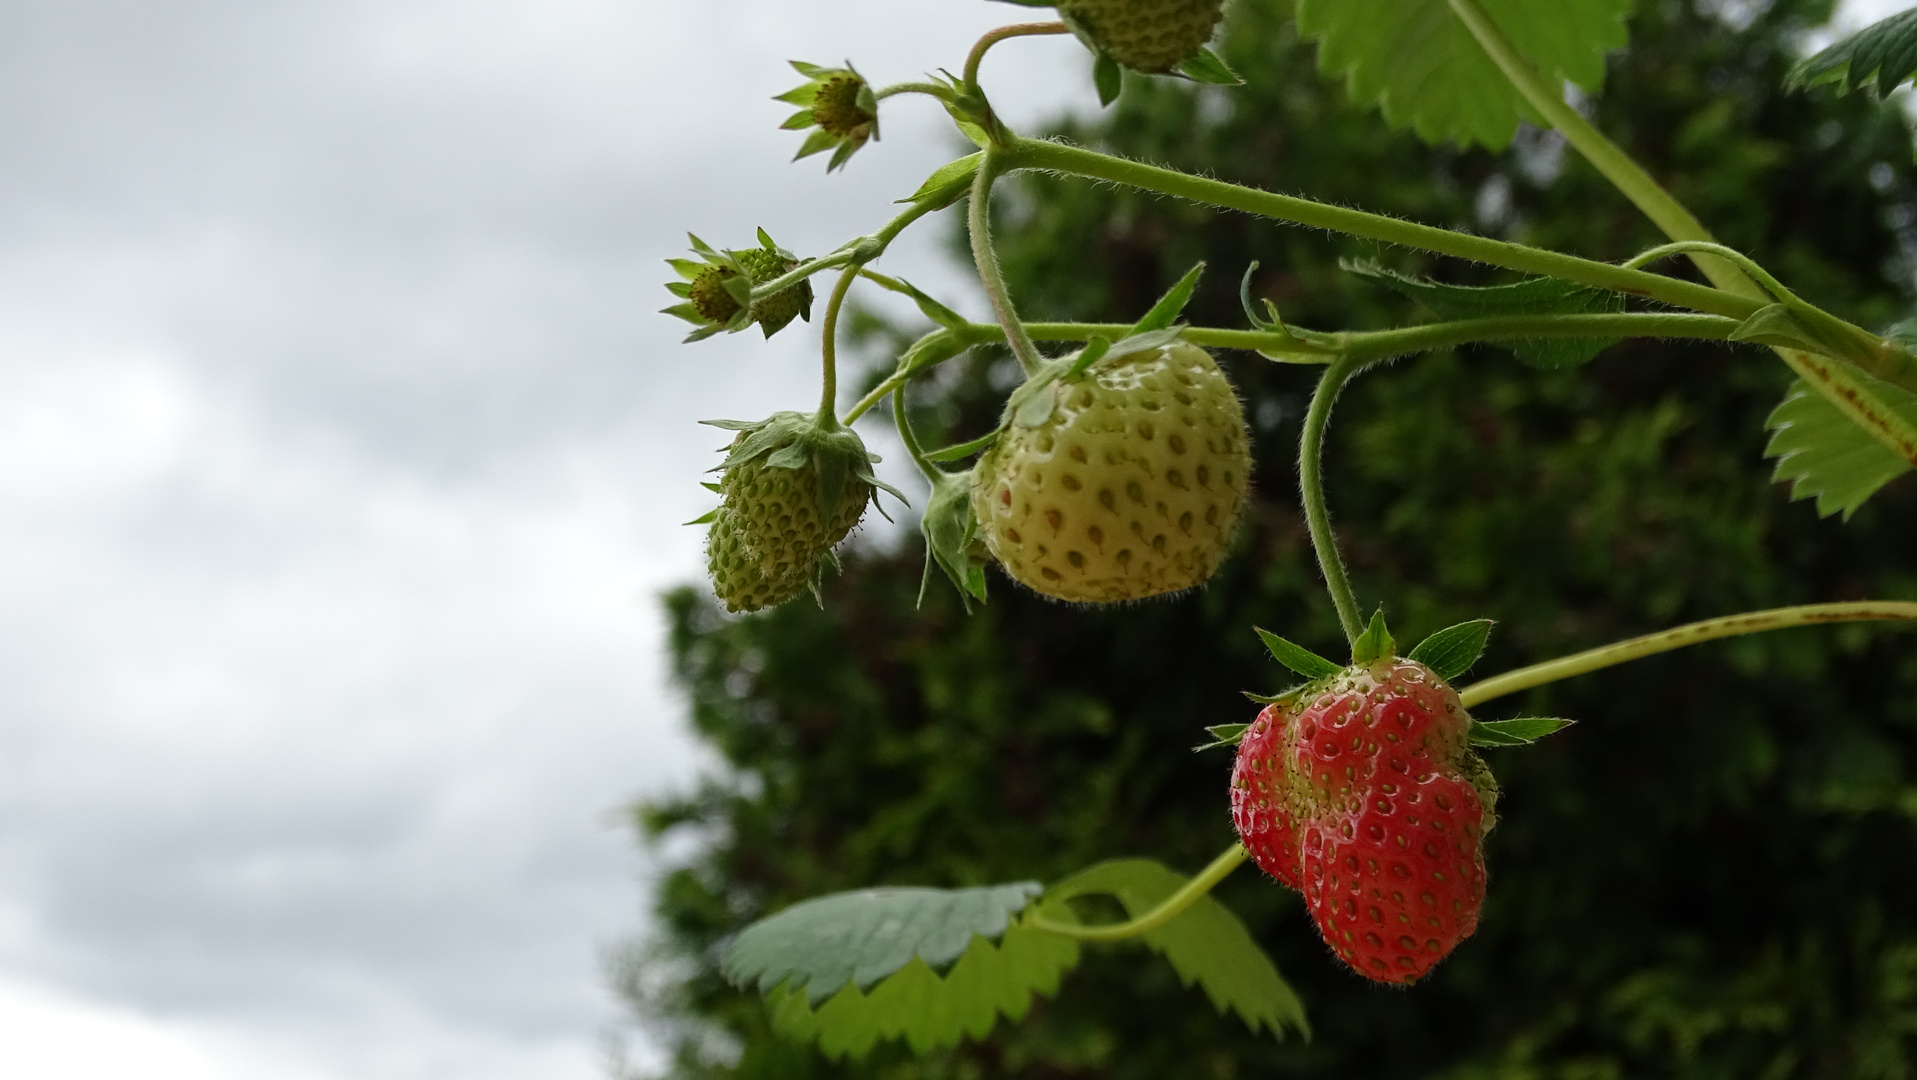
1172, 907
993, 37
828, 350
906, 435
932, 89
1311, 484
1711, 629
1058, 157
1743, 262
979, 222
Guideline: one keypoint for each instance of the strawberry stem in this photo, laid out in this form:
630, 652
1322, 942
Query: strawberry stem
1172, 907
1691, 634
979, 223
828, 349
1311, 486
993, 37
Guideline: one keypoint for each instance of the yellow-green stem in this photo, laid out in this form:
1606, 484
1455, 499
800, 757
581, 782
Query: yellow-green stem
828, 348
1173, 906
979, 222
1709, 630
993, 37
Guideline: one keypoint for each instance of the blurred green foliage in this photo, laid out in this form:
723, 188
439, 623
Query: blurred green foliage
1713, 875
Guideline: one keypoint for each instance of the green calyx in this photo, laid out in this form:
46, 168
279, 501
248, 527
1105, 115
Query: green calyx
951, 536
716, 289
840, 108
792, 486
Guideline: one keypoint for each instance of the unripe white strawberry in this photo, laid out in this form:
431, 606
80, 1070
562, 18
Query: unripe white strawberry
1129, 485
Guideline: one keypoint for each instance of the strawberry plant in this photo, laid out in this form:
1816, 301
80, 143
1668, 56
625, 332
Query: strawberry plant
1117, 468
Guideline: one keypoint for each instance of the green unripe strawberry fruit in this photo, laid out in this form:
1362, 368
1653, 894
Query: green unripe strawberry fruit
1146, 35
1127, 487
793, 486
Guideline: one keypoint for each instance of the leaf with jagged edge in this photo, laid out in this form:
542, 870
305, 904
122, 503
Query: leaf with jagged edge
1417, 62
1877, 57
860, 937
1206, 944
1827, 457
930, 1011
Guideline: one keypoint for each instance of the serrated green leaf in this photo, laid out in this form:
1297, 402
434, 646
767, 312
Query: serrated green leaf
1108, 78
1206, 944
1171, 305
1825, 456
1451, 651
1297, 657
932, 1012
1879, 57
948, 183
1417, 62
1375, 643
860, 937
1532, 296
1209, 67
1522, 731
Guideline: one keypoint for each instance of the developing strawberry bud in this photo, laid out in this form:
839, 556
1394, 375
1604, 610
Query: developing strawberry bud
717, 289
1153, 36
839, 104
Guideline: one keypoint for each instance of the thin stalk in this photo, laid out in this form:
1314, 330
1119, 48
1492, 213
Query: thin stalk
861, 251
933, 89
1173, 906
1058, 157
979, 222
829, 348
1311, 483
993, 37
1606, 156
907, 436
1710, 630
1370, 345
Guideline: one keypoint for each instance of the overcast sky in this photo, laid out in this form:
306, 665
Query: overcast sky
341, 459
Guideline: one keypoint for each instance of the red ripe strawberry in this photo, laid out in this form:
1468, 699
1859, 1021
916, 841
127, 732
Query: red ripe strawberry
1363, 792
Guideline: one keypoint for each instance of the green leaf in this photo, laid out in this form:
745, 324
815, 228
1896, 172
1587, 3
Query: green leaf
1417, 62
1375, 643
948, 183
1532, 296
1171, 305
1451, 651
1297, 657
1209, 67
1094, 350
1223, 735
860, 937
1878, 57
1775, 325
1108, 77
1206, 943
951, 531
932, 1012
1825, 456
1522, 731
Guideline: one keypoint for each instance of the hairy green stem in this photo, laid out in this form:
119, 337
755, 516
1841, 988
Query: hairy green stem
1058, 157
1173, 906
993, 37
860, 251
912, 448
979, 223
932, 89
1370, 345
1311, 484
829, 348
1711, 629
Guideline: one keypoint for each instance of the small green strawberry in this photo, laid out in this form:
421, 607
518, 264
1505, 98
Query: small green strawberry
792, 487
1152, 36
839, 103
1116, 479
716, 289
